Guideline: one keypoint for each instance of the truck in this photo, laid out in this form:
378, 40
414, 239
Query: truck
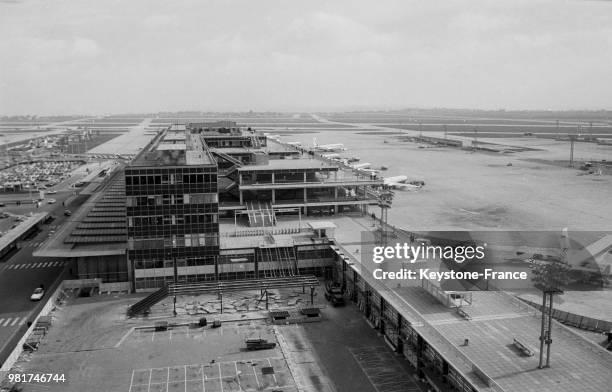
333, 293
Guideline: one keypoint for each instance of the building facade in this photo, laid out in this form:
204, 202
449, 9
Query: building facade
172, 212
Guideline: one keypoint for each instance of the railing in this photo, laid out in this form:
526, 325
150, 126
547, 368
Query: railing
299, 183
263, 232
145, 304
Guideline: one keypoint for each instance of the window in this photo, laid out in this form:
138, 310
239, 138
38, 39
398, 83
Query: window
202, 198
186, 198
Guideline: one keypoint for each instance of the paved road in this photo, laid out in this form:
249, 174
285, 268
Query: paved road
355, 356
20, 274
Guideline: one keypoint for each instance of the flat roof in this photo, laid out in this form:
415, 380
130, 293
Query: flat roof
14, 234
174, 147
291, 164
496, 318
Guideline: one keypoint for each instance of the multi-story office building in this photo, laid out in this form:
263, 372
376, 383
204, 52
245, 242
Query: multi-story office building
172, 211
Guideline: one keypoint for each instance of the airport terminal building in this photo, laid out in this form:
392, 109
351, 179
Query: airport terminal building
209, 202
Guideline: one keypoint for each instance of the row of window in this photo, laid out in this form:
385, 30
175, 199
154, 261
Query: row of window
174, 241
159, 220
170, 179
160, 263
160, 200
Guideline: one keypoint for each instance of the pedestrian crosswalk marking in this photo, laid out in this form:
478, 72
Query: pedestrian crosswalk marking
33, 265
13, 321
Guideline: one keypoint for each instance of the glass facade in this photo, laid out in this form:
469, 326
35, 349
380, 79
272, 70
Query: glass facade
172, 218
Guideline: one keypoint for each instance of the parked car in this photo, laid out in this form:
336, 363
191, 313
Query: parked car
333, 293
51, 201
38, 293
67, 212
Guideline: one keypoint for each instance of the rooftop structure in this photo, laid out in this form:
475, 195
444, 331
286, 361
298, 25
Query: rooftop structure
174, 147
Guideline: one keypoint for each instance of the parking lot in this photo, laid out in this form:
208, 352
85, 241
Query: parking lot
98, 349
262, 374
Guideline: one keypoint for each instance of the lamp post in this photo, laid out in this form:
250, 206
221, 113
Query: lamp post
175, 282
549, 278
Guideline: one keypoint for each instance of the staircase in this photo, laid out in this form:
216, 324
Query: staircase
226, 157
235, 163
261, 214
282, 262
145, 304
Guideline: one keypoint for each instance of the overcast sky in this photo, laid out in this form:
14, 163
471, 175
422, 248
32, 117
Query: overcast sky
96, 57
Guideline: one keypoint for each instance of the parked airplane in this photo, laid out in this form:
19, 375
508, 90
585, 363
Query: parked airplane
591, 259
364, 165
401, 182
327, 147
331, 156
368, 171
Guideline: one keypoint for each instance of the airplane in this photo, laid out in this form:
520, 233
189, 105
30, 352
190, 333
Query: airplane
400, 182
331, 156
593, 259
368, 171
327, 147
364, 165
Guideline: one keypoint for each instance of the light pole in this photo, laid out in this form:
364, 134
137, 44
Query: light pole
175, 281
